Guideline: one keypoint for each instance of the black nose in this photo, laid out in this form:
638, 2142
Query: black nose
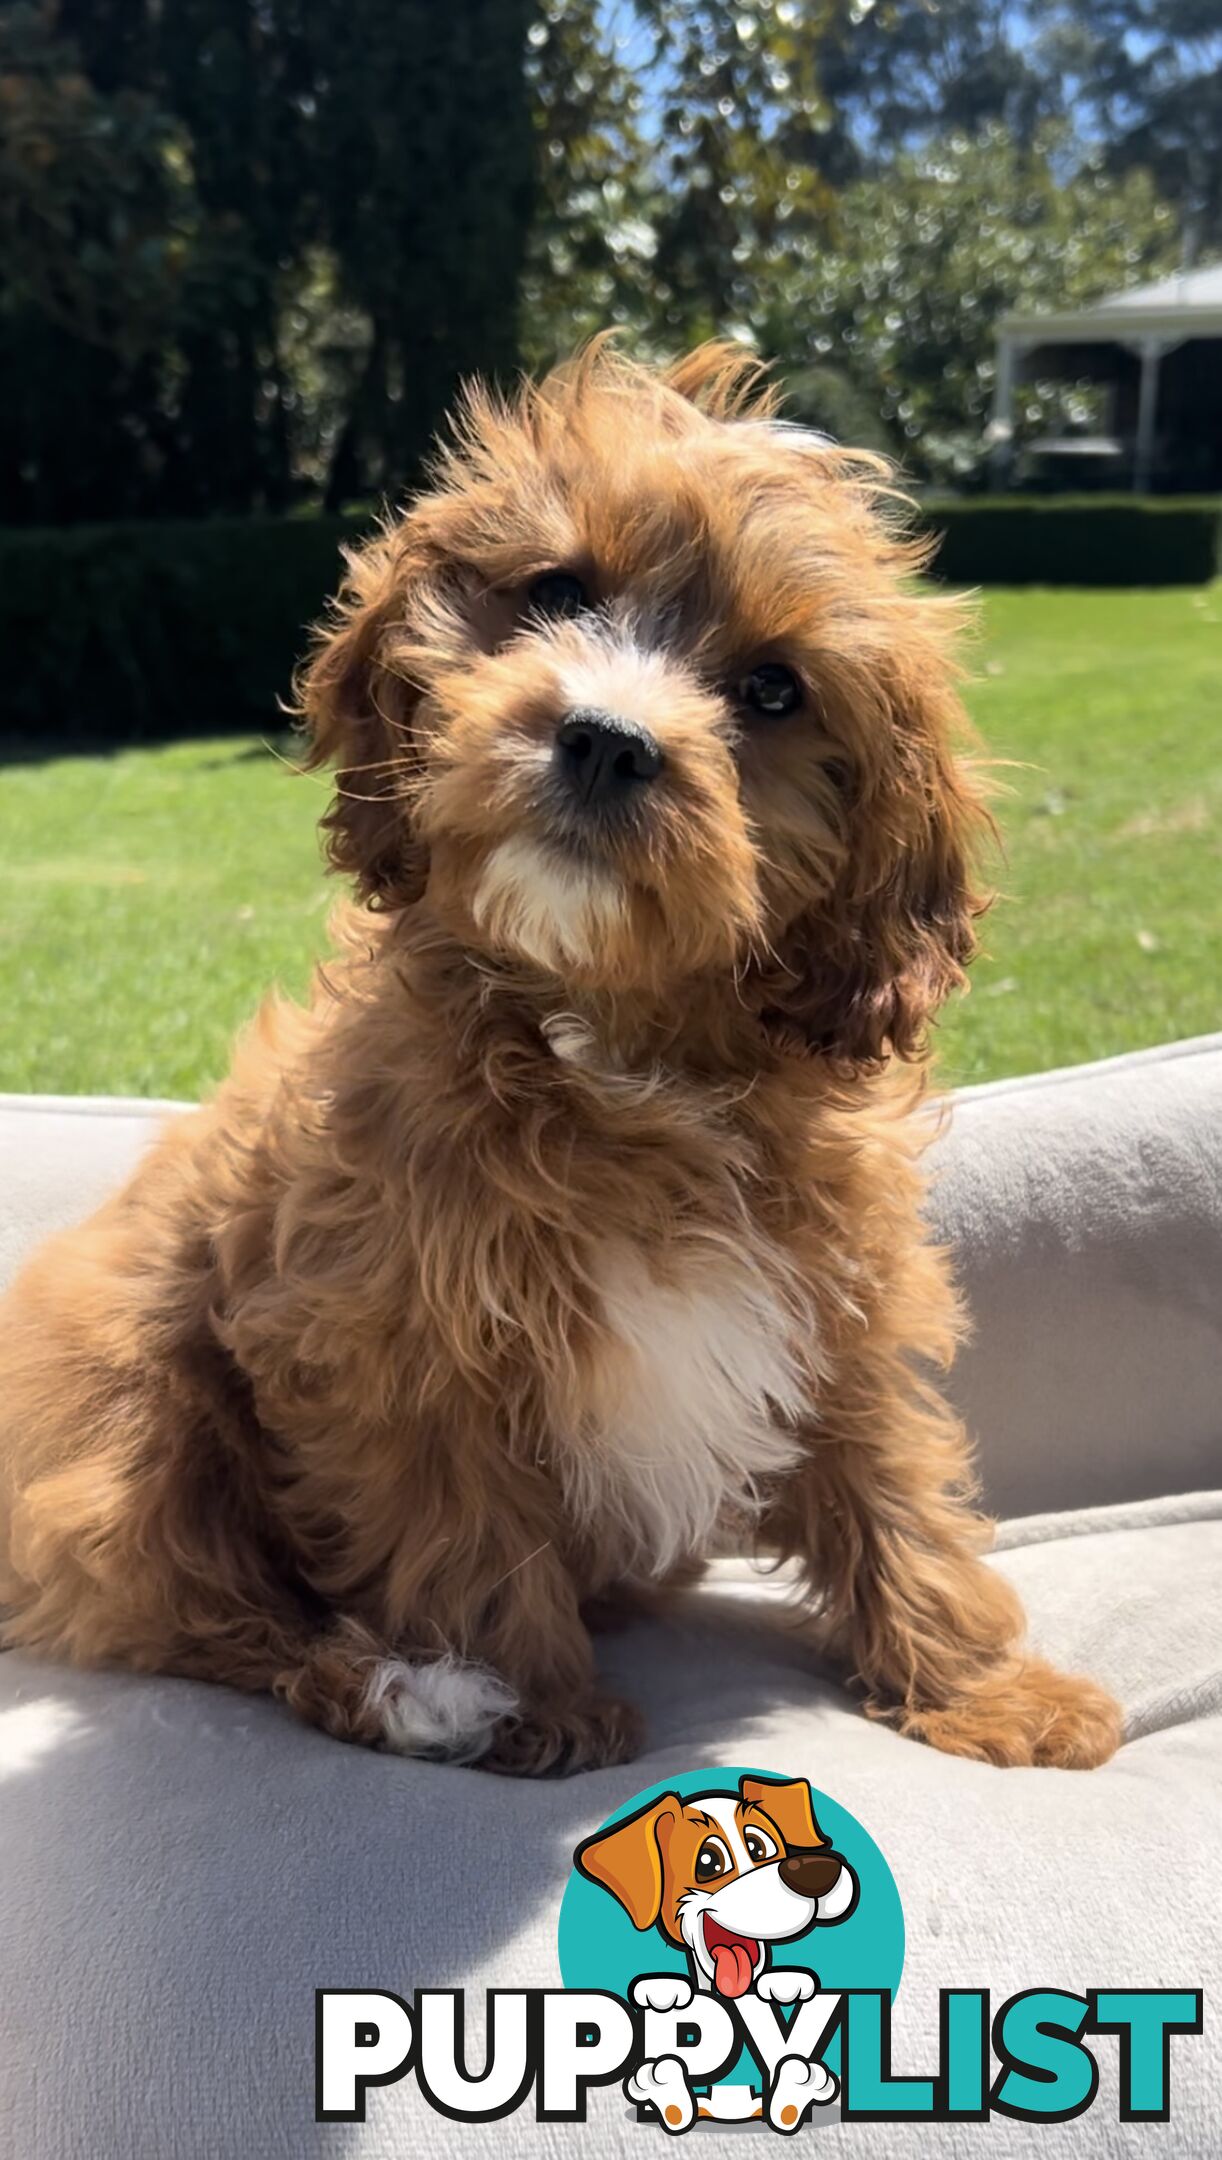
811, 1874
605, 759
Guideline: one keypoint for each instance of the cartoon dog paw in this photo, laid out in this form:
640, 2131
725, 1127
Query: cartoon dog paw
794, 1986
797, 2087
662, 1991
663, 2085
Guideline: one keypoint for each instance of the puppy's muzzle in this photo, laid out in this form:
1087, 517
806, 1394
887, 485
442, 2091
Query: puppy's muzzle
604, 761
811, 1874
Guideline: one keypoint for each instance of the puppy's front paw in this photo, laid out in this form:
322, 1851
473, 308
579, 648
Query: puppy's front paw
787, 1986
548, 1740
1034, 1715
662, 1991
663, 2085
798, 2086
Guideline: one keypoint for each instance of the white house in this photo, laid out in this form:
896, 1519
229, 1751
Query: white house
1157, 352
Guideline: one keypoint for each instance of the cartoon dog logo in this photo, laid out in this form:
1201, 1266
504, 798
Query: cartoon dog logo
725, 1876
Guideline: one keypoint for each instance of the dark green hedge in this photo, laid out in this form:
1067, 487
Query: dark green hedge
1077, 540
144, 631
141, 631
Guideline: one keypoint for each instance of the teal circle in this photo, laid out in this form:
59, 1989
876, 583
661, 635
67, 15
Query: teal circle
600, 1948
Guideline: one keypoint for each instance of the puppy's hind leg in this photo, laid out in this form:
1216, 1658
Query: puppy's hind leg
155, 1553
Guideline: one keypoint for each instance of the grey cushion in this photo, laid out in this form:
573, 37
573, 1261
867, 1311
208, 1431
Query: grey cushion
1084, 1210
183, 1867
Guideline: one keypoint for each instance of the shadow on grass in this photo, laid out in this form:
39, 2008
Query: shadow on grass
276, 739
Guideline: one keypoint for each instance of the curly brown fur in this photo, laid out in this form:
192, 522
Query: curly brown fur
575, 1224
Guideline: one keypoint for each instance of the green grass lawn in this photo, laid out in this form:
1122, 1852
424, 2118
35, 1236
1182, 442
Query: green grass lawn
146, 898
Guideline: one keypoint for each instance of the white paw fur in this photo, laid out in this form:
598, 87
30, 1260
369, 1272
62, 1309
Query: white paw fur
440, 1706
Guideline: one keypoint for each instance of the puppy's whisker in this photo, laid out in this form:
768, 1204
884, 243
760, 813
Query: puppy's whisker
518, 1566
400, 674
391, 720
388, 764
354, 795
300, 772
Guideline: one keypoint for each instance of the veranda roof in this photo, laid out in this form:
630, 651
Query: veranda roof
1184, 306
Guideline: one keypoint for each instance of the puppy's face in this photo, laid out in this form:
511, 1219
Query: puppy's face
724, 1875
639, 694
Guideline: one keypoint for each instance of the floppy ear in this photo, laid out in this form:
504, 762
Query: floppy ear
358, 713
627, 1859
865, 972
788, 1803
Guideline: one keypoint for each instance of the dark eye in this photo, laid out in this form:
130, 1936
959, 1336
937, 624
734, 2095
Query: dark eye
759, 1846
558, 593
771, 690
712, 1860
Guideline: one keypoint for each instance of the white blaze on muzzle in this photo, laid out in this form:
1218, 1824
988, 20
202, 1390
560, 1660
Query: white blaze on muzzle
618, 676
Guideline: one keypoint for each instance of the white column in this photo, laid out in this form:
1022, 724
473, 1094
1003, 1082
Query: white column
1001, 427
1151, 350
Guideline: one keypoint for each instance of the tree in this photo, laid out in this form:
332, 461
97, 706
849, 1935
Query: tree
235, 74
213, 208
425, 163
247, 247
593, 234
91, 198
904, 71
1146, 78
740, 158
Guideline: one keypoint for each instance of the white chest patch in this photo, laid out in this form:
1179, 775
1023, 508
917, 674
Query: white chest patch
702, 1381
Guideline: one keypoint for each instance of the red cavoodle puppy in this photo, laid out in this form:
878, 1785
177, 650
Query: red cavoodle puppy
574, 1227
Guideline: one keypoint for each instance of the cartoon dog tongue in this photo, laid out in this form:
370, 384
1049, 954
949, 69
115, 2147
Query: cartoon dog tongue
733, 1959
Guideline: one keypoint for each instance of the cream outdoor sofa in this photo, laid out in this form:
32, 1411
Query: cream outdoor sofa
182, 1867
